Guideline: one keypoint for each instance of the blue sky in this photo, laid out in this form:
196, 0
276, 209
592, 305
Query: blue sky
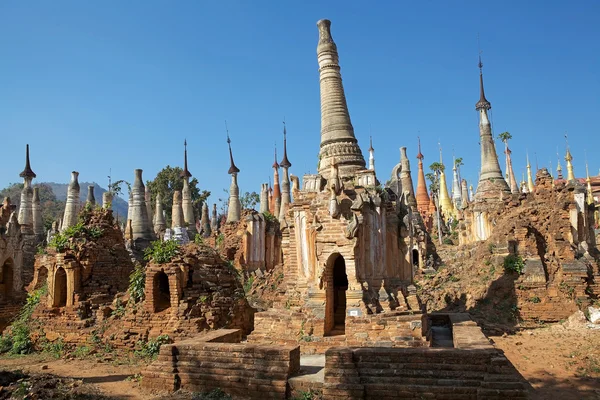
118, 85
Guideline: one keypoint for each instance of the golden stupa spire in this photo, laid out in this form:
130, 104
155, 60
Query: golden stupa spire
445, 200
569, 159
588, 181
529, 177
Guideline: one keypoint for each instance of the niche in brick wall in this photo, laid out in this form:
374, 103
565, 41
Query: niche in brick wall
6, 278
162, 294
60, 288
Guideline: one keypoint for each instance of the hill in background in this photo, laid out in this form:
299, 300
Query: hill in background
60, 191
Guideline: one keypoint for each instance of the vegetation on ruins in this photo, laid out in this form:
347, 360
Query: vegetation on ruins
514, 263
80, 232
149, 350
219, 240
167, 181
161, 252
198, 239
308, 395
137, 283
17, 339
269, 217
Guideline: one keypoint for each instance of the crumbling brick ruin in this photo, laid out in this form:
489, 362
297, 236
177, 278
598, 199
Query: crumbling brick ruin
253, 242
551, 229
12, 274
87, 282
471, 369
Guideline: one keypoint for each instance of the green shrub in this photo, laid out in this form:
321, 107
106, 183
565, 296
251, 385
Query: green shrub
454, 225
198, 239
514, 263
74, 230
150, 349
59, 242
40, 249
215, 394
203, 299
447, 241
269, 217
535, 299
17, 341
82, 351
5, 343
55, 349
137, 283
161, 252
248, 284
94, 232
219, 240
119, 310
308, 395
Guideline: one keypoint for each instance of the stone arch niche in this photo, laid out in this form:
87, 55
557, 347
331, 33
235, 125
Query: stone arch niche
40, 277
60, 288
335, 295
415, 257
161, 291
7, 278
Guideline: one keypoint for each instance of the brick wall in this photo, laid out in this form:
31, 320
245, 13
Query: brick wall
205, 363
289, 327
368, 373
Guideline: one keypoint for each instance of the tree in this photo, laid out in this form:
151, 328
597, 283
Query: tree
167, 181
457, 163
249, 200
434, 176
505, 137
116, 190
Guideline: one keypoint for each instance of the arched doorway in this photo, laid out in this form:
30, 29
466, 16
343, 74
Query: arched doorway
337, 285
60, 288
415, 257
42, 278
162, 294
7, 278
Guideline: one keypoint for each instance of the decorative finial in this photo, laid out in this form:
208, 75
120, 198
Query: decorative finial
482, 103
285, 163
185, 173
371, 143
559, 167
276, 164
420, 155
232, 169
27, 172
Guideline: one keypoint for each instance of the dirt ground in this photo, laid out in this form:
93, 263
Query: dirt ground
560, 361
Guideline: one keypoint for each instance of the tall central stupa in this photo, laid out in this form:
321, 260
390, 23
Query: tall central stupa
337, 134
